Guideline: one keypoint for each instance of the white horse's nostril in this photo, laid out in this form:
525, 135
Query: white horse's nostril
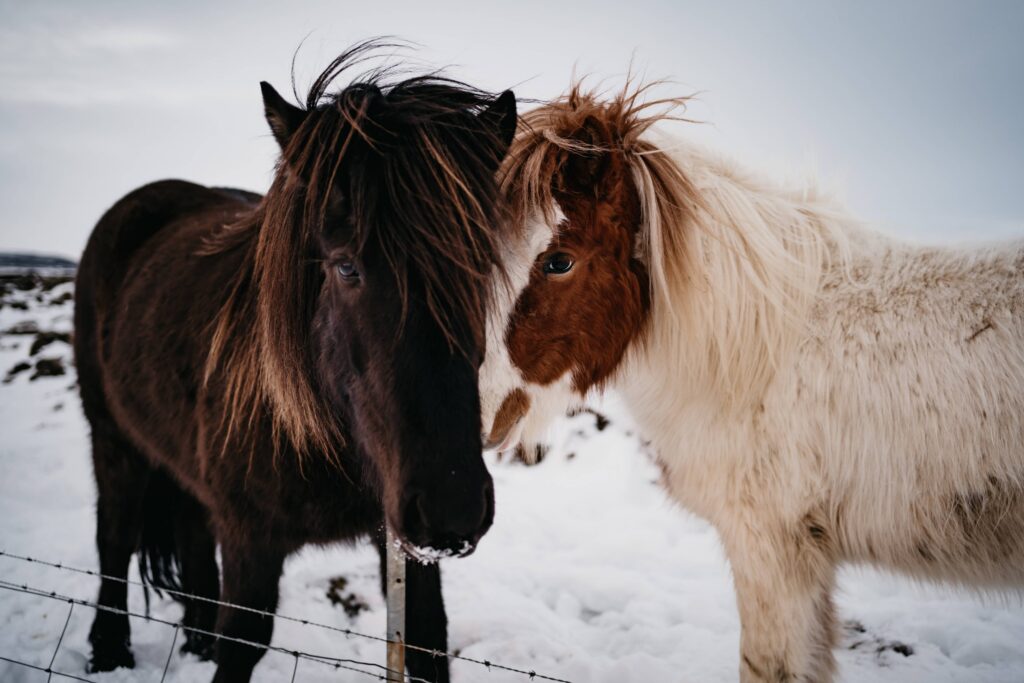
513, 437
508, 422
508, 441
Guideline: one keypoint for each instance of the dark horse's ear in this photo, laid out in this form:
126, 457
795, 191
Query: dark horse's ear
284, 118
501, 117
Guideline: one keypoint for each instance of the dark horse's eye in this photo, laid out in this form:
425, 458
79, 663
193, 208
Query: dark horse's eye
348, 270
558, 263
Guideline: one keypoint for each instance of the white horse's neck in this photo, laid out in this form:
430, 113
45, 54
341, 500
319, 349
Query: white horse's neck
734, 297
772, 272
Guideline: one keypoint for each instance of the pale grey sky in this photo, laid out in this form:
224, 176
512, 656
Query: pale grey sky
912, 111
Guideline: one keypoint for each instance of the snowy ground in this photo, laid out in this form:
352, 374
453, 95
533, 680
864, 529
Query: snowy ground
589, 573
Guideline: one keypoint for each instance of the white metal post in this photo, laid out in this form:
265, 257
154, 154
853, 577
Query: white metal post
396, 609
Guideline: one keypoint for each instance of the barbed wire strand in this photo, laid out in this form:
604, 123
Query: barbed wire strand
532, 675
71, 608
167, 664
336, 662
62, 674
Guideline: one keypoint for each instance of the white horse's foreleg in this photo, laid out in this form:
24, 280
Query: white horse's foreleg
784, 579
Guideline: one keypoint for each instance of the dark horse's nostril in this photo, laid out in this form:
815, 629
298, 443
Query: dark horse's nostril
487, 514
415, 526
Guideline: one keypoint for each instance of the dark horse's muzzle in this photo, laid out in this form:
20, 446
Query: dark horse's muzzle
447, 518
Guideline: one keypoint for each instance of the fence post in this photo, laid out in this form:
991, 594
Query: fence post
396, 608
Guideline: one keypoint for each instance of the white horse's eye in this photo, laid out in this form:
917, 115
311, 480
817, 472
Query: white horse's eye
558, 263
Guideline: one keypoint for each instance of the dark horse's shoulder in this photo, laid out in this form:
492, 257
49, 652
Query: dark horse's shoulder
141, 213
169, 198
236, 193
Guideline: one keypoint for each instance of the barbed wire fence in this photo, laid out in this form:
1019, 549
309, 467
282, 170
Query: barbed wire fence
366, 669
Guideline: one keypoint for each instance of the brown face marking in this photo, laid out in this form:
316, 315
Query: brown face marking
513, 408
583, 321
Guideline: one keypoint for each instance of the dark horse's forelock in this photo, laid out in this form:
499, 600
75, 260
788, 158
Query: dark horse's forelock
415, 178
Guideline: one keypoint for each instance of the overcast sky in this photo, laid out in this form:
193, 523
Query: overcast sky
912, 111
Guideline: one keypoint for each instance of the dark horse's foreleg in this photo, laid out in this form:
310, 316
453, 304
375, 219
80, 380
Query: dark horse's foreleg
122, 475
199, 576
250, 578
426, 624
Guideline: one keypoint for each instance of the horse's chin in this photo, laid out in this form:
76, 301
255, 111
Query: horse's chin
429, 555
425, 553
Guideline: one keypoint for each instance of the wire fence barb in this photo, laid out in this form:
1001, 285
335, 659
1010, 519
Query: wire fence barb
380, 672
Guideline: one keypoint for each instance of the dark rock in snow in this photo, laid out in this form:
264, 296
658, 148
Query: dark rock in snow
44, 339
24, 327
16, 370
350, 602
62, 299
48, 367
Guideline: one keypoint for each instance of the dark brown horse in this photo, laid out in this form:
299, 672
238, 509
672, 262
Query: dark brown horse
267, 372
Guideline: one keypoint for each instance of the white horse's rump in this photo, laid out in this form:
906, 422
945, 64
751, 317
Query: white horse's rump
820, 393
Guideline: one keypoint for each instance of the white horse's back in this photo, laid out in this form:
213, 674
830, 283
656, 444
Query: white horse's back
912, 379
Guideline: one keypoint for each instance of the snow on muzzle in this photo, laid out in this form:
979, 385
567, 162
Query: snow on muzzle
447, 518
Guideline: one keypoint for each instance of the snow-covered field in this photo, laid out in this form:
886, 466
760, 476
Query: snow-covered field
589, 573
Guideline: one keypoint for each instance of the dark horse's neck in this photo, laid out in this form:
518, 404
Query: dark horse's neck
269, 397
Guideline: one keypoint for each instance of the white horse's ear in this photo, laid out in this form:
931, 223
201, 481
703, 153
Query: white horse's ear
640, 242
642, 236
284, 118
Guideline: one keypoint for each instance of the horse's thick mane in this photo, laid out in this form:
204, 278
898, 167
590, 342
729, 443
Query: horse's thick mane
734, 261
399, 152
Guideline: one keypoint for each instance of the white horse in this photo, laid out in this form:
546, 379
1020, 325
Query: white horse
820, 393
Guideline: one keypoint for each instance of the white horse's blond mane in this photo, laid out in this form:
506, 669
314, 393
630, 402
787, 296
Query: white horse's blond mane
735, 264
